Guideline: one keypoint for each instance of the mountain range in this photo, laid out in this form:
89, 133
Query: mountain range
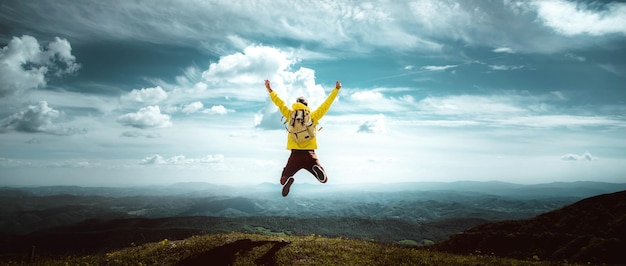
83, 220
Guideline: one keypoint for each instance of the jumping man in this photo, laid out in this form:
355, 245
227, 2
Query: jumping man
302, 143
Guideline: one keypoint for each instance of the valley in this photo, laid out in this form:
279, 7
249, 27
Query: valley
65, 220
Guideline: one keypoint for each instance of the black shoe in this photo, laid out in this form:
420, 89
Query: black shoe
287, 186
320, 174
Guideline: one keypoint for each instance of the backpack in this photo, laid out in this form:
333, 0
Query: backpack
300, 126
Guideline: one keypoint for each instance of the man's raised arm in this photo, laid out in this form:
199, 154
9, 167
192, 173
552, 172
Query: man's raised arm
267, 85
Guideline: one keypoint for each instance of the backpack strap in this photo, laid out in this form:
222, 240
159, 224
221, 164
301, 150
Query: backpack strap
294, 114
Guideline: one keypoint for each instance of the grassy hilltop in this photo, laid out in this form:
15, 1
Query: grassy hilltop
272, 249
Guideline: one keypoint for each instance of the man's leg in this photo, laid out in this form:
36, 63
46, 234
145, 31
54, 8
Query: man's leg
294, 164
287, 187
286, 178
290, 169
315, 167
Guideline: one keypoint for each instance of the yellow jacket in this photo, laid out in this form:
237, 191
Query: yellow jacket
315, 117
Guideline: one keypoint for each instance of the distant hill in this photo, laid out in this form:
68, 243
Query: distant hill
590, 230
27, 210
104, 235
580, 189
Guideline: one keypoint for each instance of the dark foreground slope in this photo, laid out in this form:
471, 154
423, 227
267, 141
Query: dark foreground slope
593, 229
276, 249
104, 235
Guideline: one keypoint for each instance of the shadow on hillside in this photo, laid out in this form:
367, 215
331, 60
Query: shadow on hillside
226, 254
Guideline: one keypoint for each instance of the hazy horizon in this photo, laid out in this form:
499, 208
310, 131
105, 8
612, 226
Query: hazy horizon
137, 93
311, 184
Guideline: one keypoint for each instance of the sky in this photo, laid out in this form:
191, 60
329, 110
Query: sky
114, 93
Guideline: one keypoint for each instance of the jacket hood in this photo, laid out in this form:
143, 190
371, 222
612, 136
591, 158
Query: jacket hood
299, 106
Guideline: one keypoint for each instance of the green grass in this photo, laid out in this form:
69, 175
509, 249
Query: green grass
275, 248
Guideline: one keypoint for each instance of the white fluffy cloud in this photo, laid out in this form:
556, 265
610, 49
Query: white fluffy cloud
238, 77
571, 18
147, 117
193, 107
376, 124
217, 110
246, 71
38, 118
196, 107
366, 96
254, 64
24, 64
181, 159
146, 95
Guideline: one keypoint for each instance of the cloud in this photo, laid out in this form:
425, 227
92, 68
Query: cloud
375, 124
469, 105
217, 110
576, 57
438, 68
376, 100
570, 18
147, 117
504, 50
509, 110
440, 17
137, 134
181, 159
514, 26
70, 164
547, 121
145, 95
578, 157
481, 23
196, 107
338, 25
366, 96
193, 107
559, 95
438, 123
241, 76
254, 64
619, 70
24, 64
269, 118
331, 29
505, 67
38, 118
4, 162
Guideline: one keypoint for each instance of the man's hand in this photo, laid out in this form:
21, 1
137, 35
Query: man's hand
267, 85
338, 85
